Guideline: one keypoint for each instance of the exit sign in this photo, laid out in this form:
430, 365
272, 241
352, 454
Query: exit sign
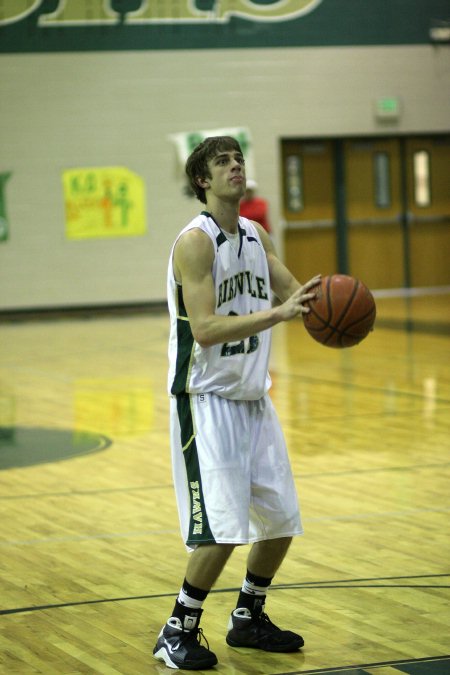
387, 108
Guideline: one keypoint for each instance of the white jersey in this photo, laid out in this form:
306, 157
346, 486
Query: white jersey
233, 370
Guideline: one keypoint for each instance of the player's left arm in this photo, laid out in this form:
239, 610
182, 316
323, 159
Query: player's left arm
282, 281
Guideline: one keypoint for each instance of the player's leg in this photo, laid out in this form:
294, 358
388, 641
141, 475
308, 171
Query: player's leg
249, 625
178, 644
266, 556
213, 494
276, 519
206, 563
263, 561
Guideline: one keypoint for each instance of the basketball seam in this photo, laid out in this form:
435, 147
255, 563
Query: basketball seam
331, 332
335, 328
326, 322
360, 319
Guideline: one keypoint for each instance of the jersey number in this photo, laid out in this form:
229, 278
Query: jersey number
231, 348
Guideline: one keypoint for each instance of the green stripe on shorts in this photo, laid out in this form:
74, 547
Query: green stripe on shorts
199, 530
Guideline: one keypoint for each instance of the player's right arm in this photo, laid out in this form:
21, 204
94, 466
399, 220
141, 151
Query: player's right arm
192, 263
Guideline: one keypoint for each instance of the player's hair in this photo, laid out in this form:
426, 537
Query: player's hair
197, 162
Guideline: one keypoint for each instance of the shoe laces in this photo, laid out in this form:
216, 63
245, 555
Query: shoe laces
264, 619
196, 634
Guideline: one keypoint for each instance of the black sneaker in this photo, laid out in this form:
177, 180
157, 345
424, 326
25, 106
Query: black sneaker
255, 629
180, 647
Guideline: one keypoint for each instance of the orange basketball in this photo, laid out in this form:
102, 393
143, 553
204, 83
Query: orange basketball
342, 313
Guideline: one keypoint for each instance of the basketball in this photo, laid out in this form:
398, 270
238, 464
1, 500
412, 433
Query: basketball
342, 313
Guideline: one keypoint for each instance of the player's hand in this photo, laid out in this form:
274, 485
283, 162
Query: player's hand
309, 291
296, 304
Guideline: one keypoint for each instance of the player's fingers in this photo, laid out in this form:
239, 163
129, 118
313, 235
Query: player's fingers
300, 303
313, 282
307, 296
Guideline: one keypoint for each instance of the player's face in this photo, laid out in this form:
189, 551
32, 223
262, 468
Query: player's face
227, 171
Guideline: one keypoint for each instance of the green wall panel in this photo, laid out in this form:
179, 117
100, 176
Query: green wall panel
267, 24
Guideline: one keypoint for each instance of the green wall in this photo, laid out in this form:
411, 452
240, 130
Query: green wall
92, 25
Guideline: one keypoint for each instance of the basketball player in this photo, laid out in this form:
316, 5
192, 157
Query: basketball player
232, 476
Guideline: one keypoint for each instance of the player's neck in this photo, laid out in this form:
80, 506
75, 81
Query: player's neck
226, 215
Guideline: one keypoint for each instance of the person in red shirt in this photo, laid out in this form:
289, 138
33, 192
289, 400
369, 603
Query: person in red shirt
253, 207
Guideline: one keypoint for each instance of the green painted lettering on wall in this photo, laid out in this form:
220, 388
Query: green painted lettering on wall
118, 25
156, 12
13, 11
74, 12
222, 11
275, 11
80, 13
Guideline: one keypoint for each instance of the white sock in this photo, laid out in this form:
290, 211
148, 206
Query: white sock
187, 601
251, 588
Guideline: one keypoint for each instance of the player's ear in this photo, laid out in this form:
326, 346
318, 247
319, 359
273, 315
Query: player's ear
202, 182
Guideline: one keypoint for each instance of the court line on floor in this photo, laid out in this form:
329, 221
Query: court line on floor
83, 493
352, 385
384, 514
308, 585
413, 467
87, 537
163, 532
362, 579
303, 476
361, 666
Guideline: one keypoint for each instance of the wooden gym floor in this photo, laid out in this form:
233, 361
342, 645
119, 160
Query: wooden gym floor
90, 556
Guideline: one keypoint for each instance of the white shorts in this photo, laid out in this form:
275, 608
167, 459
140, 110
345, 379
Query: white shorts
232, 475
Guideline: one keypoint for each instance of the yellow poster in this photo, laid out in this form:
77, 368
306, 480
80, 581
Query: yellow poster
104, 202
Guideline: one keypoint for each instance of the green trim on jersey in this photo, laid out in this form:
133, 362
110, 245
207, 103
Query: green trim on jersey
221, 238
185, 346
199, 530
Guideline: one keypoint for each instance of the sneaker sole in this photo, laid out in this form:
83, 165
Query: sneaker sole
162, 655
293, 646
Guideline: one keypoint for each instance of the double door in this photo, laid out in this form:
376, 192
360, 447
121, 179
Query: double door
376, 208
